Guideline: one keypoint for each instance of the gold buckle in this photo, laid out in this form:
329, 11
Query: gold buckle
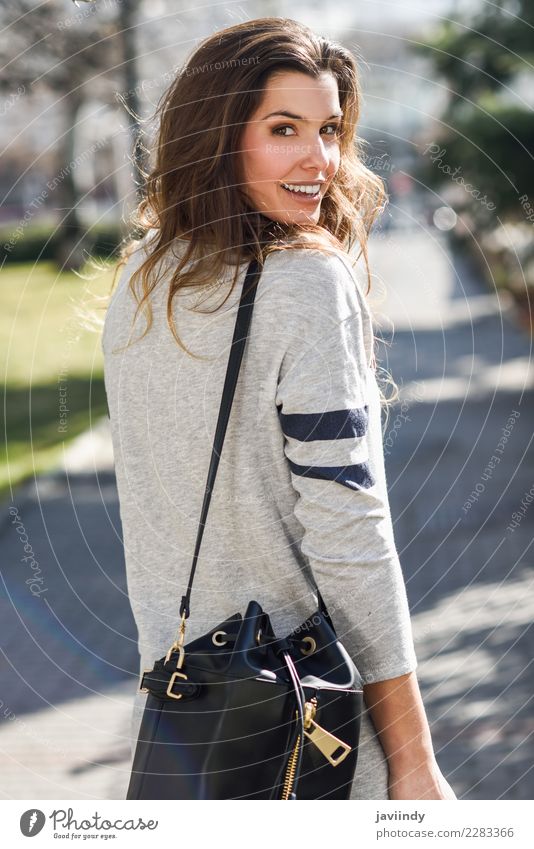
174, 676
181, 655
178, 646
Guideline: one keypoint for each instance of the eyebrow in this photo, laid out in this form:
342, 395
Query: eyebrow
299, 117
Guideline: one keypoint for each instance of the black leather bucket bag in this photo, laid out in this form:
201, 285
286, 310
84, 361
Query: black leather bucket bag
239, 713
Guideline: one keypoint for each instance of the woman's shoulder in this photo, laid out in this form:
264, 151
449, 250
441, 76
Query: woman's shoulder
328, 260
310, 275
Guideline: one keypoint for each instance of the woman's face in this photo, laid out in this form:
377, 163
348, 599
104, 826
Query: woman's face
299, 149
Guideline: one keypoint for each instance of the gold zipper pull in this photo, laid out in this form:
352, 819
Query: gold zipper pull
326, 742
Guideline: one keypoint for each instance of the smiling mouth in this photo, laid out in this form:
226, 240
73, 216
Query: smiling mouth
304, 191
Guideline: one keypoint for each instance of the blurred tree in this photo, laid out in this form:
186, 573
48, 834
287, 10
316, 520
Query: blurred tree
488, 126
75, 54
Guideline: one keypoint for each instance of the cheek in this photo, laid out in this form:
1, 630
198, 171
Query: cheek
273, 162
266, 159
335, 158
270, 161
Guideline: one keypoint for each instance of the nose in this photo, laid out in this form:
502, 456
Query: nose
316, 156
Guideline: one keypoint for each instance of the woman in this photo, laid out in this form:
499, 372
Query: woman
257, 156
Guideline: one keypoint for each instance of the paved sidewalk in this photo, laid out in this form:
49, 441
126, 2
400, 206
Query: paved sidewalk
69, 650
69, 658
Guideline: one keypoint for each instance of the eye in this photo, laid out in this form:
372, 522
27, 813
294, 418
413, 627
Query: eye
337, 128
277, 130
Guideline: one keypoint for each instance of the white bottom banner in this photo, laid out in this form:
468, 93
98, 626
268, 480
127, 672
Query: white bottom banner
363, 823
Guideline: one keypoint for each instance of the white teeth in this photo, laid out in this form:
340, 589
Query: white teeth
308, 190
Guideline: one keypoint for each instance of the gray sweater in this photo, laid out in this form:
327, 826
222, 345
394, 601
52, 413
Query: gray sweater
301, 482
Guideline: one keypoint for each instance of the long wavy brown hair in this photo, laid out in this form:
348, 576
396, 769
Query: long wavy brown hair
193, 191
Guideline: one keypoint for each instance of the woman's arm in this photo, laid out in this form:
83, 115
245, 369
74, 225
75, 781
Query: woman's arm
398, 714
329, 407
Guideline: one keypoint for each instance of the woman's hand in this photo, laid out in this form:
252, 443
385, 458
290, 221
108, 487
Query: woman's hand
398, 714
423, 782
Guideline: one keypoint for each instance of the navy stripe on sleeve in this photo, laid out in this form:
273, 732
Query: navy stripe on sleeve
355, 476
334, 424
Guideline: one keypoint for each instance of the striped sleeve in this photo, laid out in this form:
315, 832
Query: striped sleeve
329, 411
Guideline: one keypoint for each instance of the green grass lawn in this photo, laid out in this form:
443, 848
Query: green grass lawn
50, 354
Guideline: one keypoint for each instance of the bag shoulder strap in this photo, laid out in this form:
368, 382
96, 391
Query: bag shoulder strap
244, 315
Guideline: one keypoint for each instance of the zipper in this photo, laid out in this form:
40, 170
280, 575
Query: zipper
309, 712
290, 771
326, 742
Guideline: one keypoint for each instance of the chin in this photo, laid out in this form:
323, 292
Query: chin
295, 216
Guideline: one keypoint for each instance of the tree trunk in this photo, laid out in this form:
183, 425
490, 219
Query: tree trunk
127, 21
69, 238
